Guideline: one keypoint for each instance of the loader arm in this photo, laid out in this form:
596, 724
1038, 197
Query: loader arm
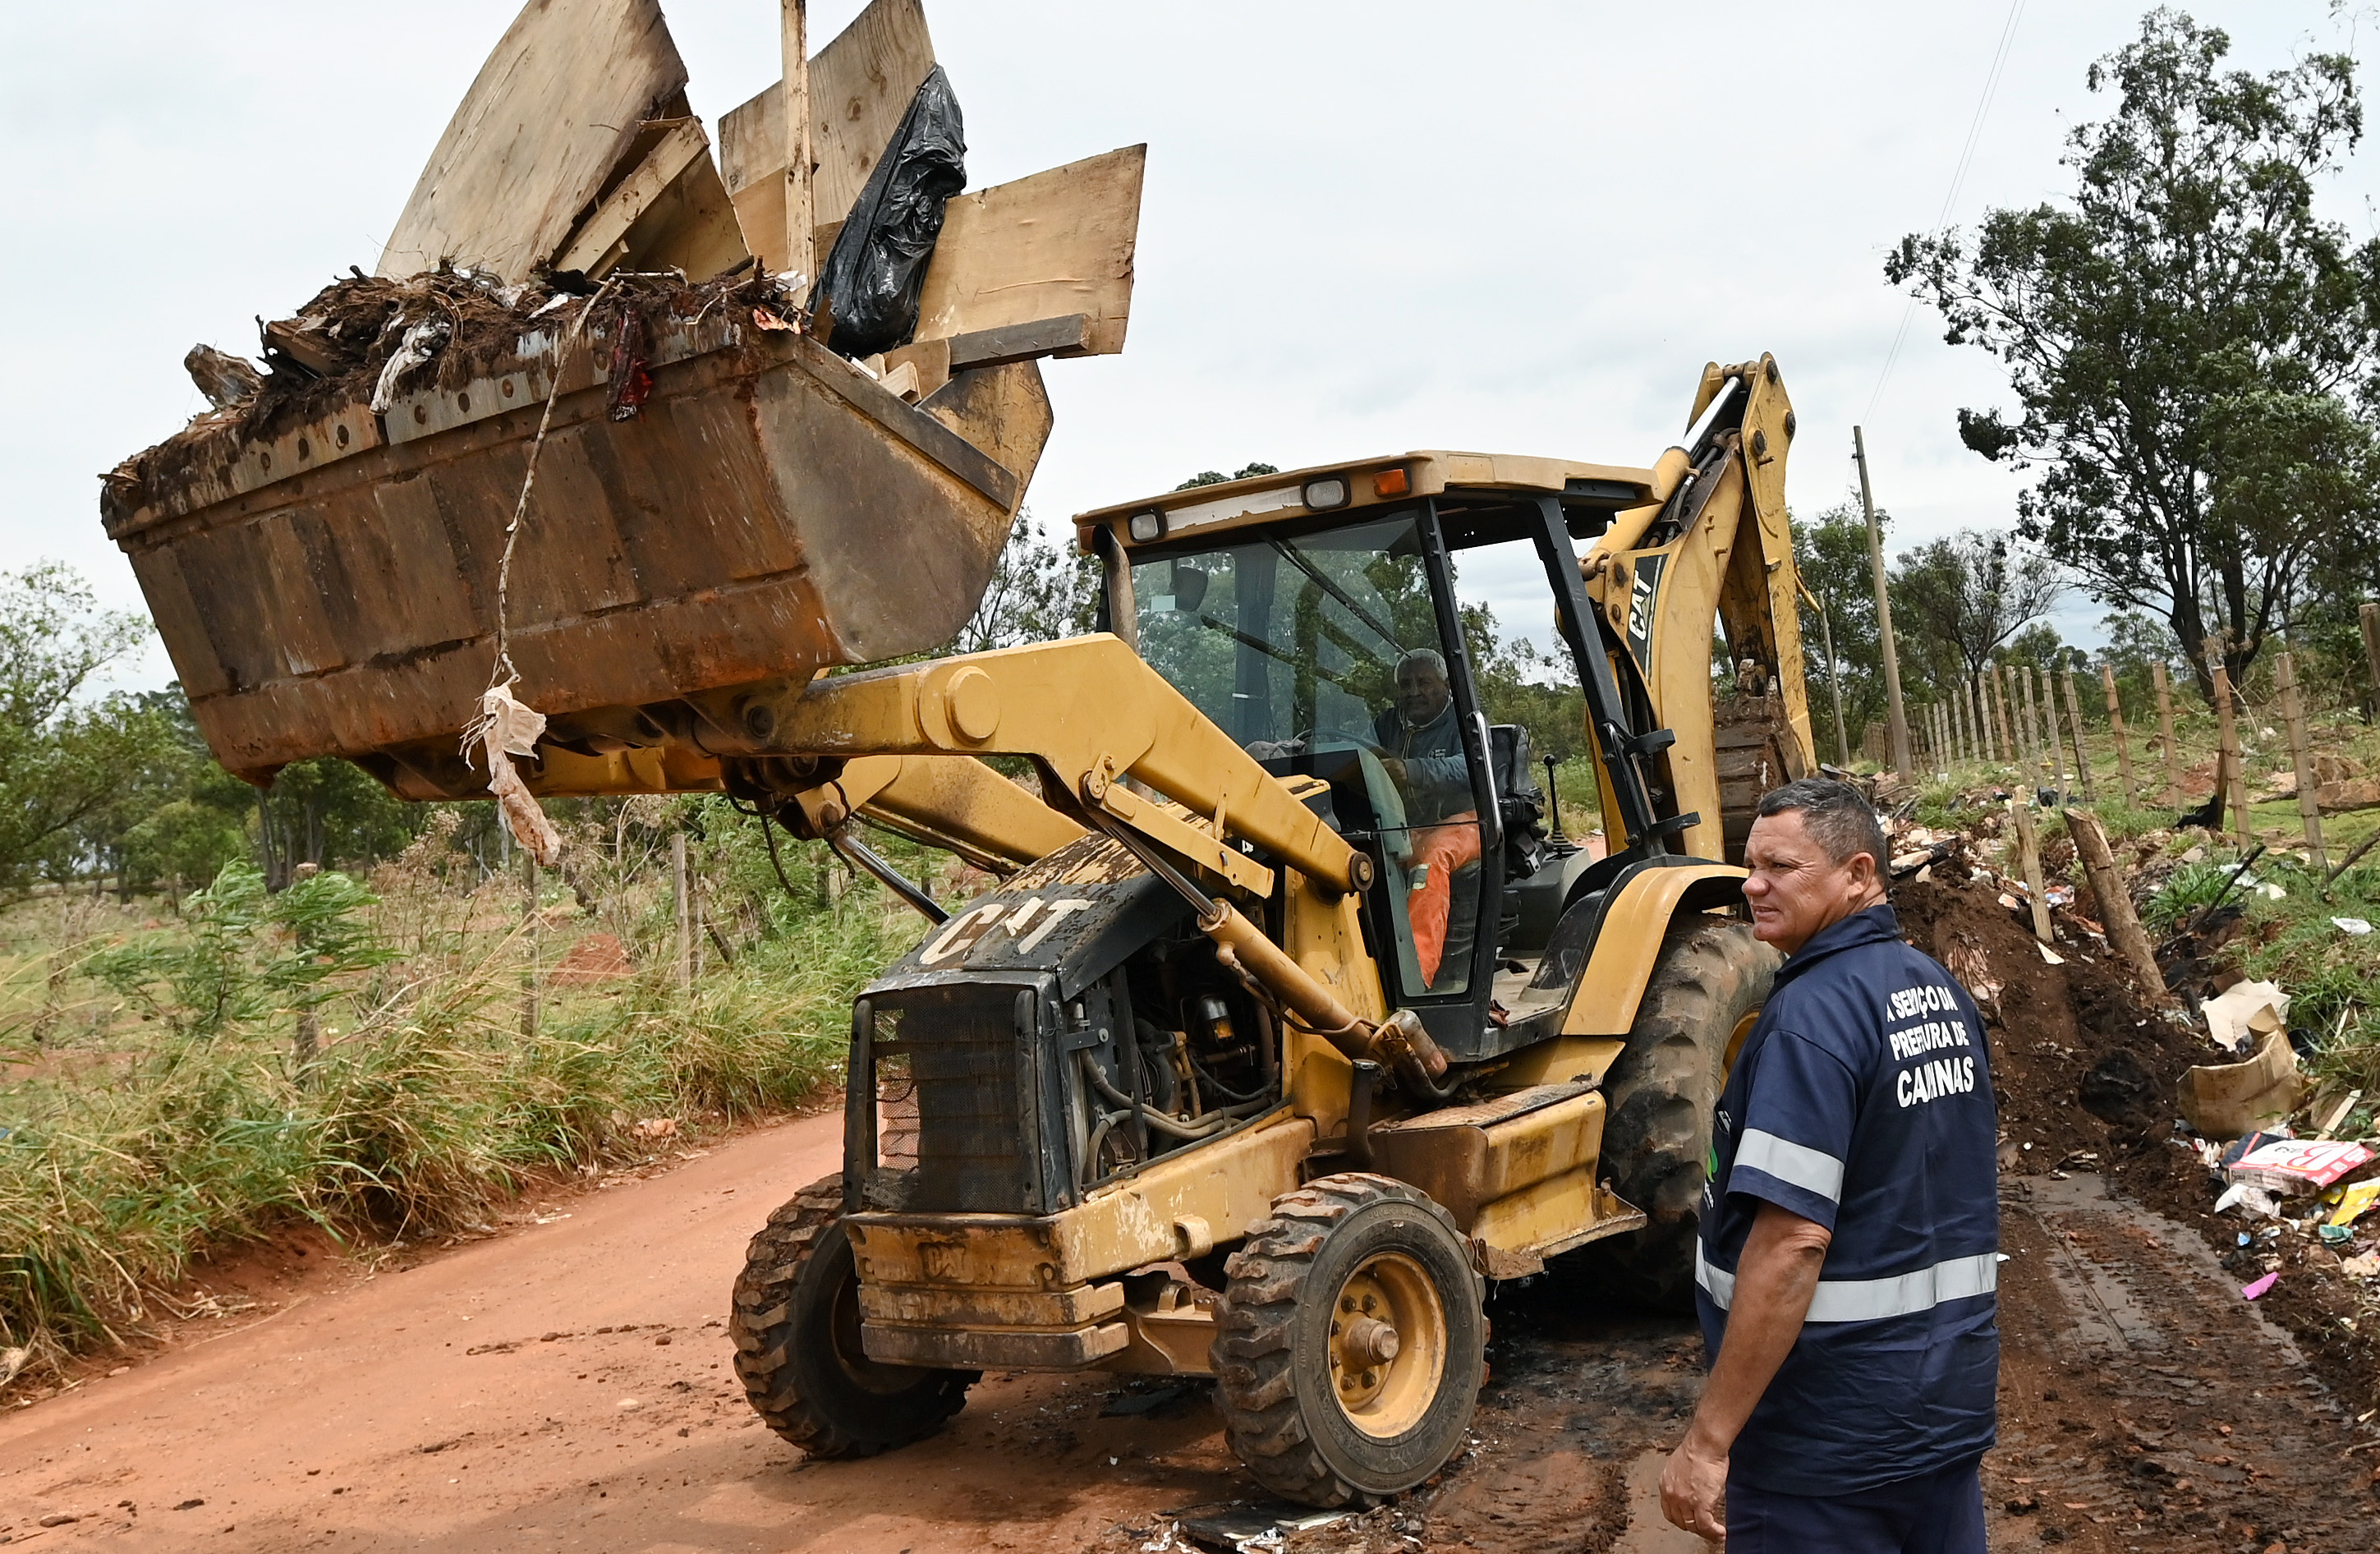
1090, 714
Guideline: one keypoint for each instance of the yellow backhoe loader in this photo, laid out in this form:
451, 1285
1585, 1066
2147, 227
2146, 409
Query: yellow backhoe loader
1222, 1078
1288, 1027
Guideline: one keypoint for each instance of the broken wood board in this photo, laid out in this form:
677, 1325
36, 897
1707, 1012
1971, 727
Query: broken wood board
669, 211
1047, 247
860, 85
559, 104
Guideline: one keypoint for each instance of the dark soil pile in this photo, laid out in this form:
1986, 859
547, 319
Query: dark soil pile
2087, 1071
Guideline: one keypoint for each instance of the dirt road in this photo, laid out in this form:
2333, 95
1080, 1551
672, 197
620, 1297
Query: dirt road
566, 1385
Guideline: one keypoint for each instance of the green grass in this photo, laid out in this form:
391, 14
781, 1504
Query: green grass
135, 1136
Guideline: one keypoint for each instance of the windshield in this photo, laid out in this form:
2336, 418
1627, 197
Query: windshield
1276, 639
1330, 642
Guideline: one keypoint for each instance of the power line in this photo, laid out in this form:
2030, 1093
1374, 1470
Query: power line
1958, 180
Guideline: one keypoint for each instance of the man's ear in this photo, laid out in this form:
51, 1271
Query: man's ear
1865, 871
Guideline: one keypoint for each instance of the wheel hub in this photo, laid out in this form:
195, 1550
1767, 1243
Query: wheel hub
1388, 1345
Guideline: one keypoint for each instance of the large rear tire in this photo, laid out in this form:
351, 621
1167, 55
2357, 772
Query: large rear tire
1350, 1344
795, 1324
1705, 991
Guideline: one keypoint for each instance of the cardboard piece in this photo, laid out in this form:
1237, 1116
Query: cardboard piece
2245, 1015
2224, 1101
2296, 1165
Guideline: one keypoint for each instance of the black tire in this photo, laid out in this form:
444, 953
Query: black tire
1710, 981
795, 1324
1282, 1340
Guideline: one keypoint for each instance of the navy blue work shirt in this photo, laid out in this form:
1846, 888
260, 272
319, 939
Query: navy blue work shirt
1863, 1101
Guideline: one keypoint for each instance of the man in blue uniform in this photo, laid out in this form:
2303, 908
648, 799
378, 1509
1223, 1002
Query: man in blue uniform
1848, 1246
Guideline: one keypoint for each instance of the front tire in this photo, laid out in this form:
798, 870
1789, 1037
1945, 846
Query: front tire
1350, 1344
1705, 993
795, 1324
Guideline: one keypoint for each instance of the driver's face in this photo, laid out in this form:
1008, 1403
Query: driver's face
1421, 691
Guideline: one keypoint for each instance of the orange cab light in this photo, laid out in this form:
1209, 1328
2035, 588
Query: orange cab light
1391, 483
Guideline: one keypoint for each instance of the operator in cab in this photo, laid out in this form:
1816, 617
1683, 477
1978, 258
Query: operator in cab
1419, 742
1846, 1271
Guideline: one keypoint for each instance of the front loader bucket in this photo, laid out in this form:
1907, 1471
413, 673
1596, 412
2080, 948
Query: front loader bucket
329, 587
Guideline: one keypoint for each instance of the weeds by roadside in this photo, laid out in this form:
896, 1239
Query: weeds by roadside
179, 1110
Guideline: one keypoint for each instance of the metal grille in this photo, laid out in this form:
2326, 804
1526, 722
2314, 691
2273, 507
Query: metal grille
973, 1149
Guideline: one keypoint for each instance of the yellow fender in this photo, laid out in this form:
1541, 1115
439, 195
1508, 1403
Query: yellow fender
1626, 950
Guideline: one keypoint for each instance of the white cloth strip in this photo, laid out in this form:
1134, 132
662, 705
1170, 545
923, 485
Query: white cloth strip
1870, 1300
1798, 1165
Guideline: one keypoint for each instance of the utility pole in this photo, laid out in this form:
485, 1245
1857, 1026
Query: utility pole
1834, 684
1883, 614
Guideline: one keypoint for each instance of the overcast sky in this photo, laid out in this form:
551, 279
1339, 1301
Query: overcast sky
1366, 227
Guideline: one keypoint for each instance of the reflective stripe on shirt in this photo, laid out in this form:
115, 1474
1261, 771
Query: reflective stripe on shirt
1869, 1300
1797, 1165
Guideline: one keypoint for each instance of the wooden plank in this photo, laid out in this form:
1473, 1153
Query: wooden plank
860, 85
598, 242
1021, 342
1057, 243
553, 112
798, 166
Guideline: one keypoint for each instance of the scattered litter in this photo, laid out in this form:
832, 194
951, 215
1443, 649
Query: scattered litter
2354, 1200
656, 1127
2365, 1266
2247, 1196
2352, 925
2338, 1113
2269, 890
2298, 1165
2250, 1010
11, 1362
2052, 956
2257, 1290
1249, 1526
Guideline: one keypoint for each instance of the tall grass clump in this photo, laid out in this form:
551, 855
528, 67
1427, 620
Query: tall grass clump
361, 1060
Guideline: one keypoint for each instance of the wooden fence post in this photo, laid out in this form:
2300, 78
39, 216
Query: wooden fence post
2285, 675
682, 895
2074, 727
2165, 735
528, 931
2230, 775
2047, 712
2115, 914
2004, 707
2028, 857
2116, 728
1982, 698
2370, 615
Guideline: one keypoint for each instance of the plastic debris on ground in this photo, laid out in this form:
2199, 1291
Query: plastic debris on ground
2353, 1200
1253, 1526
2352, 925
2257, 1290
2254, 1199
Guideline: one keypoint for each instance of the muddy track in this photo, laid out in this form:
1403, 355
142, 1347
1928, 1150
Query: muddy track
567, 1386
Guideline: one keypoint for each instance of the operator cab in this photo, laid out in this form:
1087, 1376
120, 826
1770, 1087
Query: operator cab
1313, 616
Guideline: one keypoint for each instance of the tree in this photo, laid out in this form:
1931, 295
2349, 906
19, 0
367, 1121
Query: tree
1968, 594
1040, 590
62, 761
1831, 554
2180, 337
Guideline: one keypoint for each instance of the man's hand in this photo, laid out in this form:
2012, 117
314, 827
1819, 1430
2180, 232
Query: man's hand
1692, 1482
1394, 768
1774, 1280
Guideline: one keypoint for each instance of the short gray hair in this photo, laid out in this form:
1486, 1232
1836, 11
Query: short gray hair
1835, 814
1429, 656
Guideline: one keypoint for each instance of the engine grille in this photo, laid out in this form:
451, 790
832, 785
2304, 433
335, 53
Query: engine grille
971, 1150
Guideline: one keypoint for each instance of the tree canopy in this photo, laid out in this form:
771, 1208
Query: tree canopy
2184, 336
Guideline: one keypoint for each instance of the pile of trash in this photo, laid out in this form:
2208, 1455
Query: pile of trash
2189, 1091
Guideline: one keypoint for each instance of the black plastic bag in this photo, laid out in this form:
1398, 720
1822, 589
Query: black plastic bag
867, 295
